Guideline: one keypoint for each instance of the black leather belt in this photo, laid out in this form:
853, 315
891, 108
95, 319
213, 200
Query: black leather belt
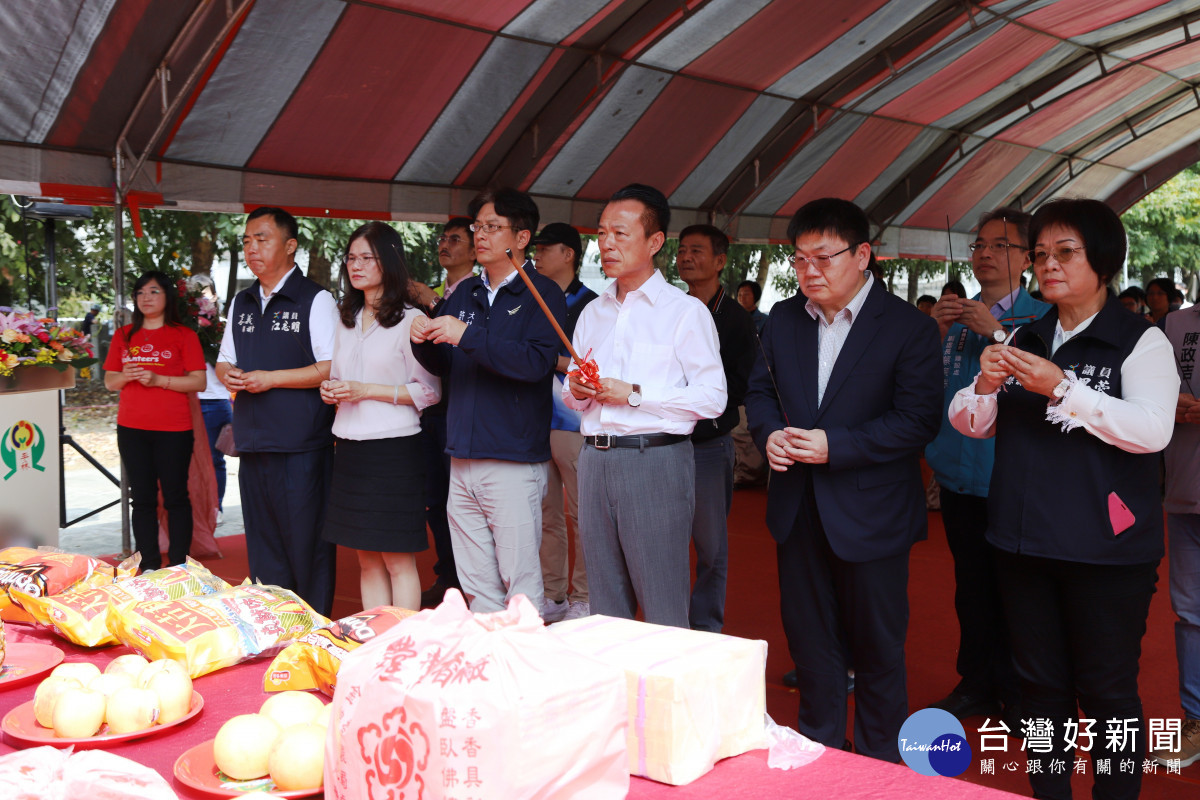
605, 441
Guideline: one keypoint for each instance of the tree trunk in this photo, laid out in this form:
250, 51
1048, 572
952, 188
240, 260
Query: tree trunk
764, 268
914, 275
318, 267
231, 286
203, 251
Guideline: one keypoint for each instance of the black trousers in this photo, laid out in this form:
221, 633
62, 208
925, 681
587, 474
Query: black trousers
840, 615
153, 459
437, 492
1076, 632
984, 656
283, 504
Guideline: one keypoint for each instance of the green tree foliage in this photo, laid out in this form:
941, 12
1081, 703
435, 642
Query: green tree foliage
1164, 231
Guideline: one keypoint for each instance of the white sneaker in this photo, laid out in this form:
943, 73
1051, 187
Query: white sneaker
578, 611
220, 517
553, 611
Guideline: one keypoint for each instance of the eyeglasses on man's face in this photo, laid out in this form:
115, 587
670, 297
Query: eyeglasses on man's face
1063, 255
489, 227
453, 238
366, 261
821, 262
997, 248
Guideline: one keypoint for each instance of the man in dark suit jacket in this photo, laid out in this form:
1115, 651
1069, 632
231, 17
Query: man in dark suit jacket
851, 397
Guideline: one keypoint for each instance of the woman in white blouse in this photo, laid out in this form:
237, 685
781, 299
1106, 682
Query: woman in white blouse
377, 498
1080, 403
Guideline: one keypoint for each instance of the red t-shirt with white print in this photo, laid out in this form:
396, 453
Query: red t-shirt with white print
170, 350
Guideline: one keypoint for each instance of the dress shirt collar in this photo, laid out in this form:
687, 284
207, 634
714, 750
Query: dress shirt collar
483, 276
1003, 304
652, 288
852, 308
277, 288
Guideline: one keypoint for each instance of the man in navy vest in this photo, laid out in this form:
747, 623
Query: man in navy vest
276, 351
495, 351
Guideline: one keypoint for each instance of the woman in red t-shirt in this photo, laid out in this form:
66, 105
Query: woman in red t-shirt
154, 363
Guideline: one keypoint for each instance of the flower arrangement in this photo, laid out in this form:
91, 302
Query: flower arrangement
202, 314
30, 341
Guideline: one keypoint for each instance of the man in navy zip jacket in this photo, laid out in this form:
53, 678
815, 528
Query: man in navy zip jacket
496, 351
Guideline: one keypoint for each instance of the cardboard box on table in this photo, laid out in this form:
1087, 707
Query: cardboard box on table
694, 697
450, 704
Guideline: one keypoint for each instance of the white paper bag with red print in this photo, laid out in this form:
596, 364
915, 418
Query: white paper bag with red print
450, 704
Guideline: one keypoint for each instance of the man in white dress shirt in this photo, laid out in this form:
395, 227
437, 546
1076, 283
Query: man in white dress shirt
660, 363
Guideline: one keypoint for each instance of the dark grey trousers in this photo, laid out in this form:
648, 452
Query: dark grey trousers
635, 520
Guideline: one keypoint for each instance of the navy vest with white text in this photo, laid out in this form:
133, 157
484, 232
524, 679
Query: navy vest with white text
1050, 489
278, 420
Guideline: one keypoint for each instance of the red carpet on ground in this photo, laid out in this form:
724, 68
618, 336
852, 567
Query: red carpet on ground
752, 611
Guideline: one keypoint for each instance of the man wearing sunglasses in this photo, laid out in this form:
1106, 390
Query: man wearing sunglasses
496, 351
963, 466
842, 401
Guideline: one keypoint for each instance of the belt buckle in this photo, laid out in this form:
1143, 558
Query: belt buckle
607, 437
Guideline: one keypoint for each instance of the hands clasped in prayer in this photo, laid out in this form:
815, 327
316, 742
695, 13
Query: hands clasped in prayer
612, 392
1000, 360
254, 381
789, 445
441, 330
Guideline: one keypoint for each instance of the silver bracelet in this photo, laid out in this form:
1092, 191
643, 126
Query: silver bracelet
396, 395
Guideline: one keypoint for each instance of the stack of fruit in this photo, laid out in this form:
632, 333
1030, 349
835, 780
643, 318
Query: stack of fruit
284, 740
132, 694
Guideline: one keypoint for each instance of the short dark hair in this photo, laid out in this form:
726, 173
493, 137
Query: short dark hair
1012, 216
927, 298
282, 219
170, 294
831, 216
463, 223
512, 204
755, 289
388, 248
1135, 292
656, 215
1096, 223
955, 288
720, 242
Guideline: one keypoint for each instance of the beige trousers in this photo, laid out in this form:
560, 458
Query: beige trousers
555, 552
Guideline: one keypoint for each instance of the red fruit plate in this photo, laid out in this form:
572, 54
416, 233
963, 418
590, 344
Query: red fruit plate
24, 661
22, 727
197, 769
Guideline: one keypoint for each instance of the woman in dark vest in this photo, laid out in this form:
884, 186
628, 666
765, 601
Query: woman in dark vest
154, 363
1080, 402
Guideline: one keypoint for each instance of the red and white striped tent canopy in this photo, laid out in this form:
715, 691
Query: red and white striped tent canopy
739, 110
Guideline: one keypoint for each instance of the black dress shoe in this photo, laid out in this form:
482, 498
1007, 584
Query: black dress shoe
432, 597
790, 680
963, 705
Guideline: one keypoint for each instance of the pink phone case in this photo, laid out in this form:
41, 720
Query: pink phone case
1119, 514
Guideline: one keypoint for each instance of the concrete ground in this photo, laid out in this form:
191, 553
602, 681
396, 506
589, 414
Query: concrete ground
88, 488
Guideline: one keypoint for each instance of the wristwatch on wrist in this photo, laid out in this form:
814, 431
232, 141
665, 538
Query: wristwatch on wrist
635, 397
1062, 387
999, 335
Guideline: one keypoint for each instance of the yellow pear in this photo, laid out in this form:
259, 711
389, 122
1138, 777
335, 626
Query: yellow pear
298, 758
242, 749
78, 714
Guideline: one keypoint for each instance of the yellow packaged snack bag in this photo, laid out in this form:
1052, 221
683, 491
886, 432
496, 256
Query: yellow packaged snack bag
40, 573
213, 631
312, 662
81, 615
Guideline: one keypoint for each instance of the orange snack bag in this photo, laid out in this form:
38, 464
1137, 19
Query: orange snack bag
81, 615
312, 662
40, 573
206, 633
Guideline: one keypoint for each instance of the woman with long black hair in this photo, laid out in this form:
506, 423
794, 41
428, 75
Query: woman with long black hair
154, 362
377, 500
